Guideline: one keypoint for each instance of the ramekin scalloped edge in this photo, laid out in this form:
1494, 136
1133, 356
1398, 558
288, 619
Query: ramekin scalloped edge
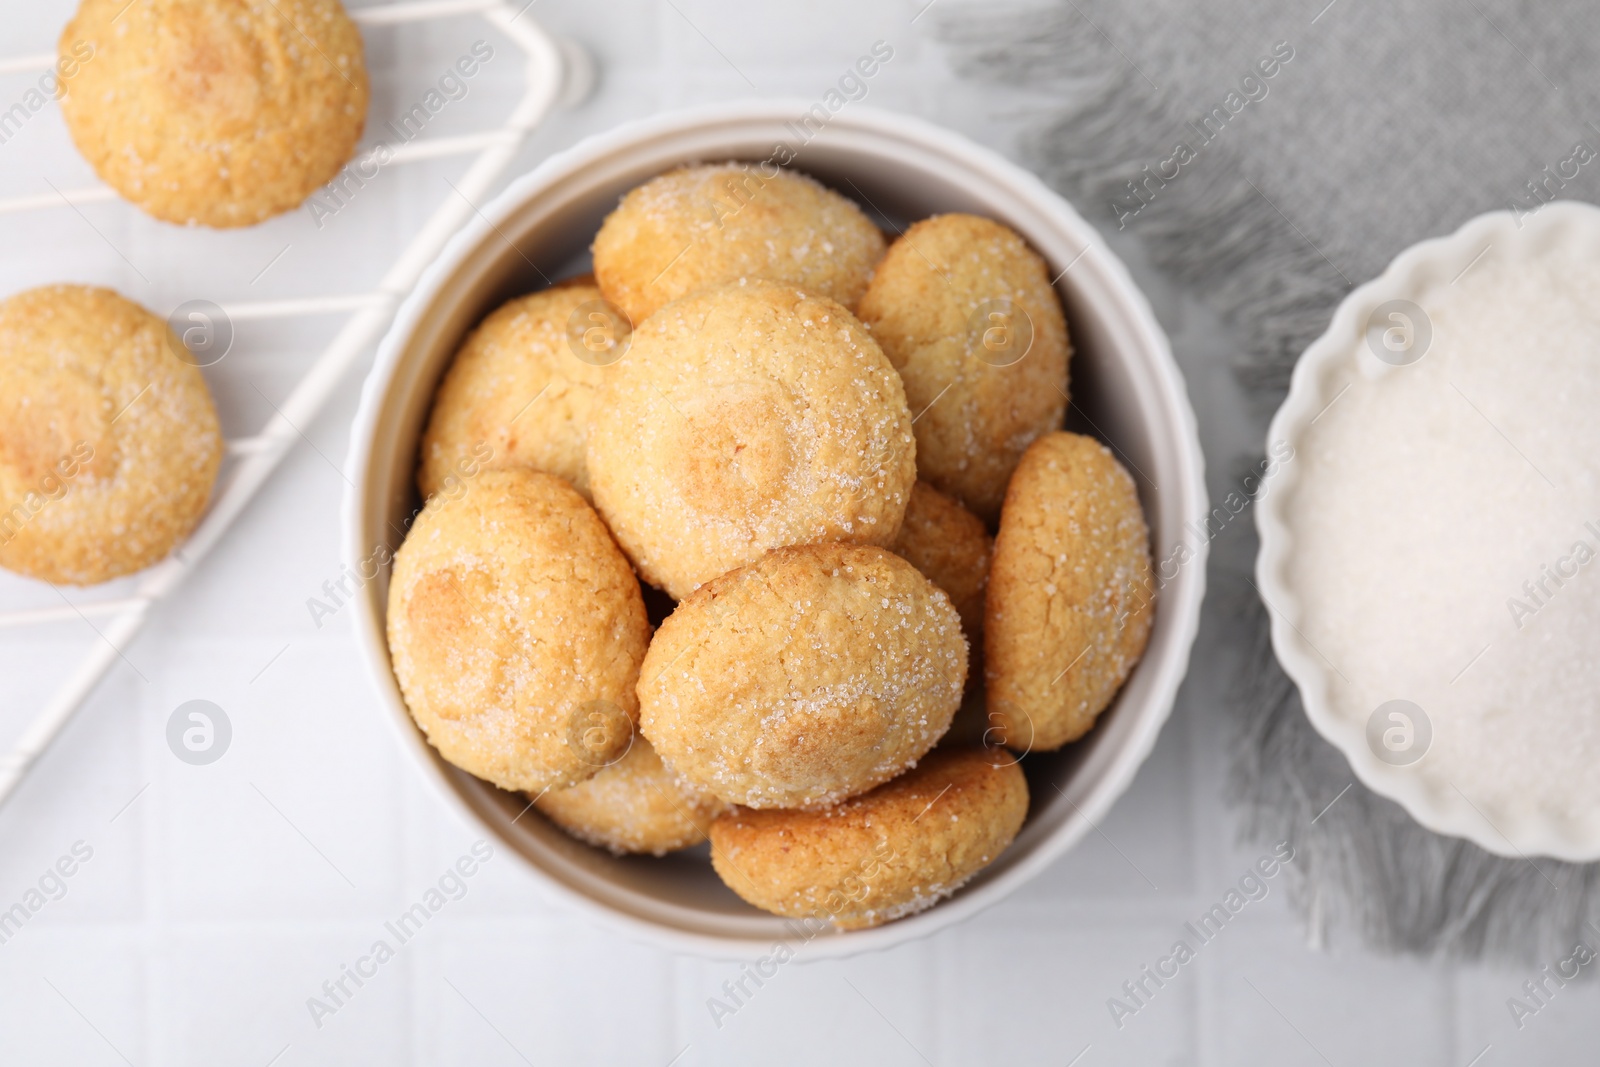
1445, 811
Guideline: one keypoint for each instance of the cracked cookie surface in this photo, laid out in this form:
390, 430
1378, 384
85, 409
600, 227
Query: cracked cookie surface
965, 311
744, 418
1070, 598
708, 224
807, 677
516, 628
881, 856
109, 441
217, 112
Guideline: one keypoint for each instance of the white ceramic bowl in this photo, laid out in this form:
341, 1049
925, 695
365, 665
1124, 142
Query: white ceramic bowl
1324, 371
1125, 385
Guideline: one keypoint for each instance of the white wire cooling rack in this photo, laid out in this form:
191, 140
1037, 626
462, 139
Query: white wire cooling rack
556, 72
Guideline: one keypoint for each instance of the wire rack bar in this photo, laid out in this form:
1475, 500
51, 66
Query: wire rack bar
20, 64
411, 152
299, 306
547, 67
66, 612
94, 194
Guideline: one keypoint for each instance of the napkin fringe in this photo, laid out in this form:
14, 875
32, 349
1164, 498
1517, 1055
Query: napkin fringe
1102, 143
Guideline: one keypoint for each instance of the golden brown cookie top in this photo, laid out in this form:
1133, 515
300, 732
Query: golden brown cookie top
948, 543
811, 675
521, 387
109, 442
218, 112
516, 629
637, 804
743, 418
1071, 592
965, 310
709, 224
880, 856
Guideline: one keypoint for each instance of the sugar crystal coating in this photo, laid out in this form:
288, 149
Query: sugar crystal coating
109, 441
881, 856
709, 224
517, 629
748, 417
811, 675
965, 311
217, 112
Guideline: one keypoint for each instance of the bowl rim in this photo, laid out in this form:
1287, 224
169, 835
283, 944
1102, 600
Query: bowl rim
1181, 597
1407, 277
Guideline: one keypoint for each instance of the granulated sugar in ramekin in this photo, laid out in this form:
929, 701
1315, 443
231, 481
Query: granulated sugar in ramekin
1446, 536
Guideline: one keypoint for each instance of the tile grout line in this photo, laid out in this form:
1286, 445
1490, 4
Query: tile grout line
153, 906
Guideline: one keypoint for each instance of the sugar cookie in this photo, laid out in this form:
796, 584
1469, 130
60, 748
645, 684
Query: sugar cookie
636, 804
218, 112
883, 855
964, 309
949, 545
516, 629
520, 389
109, 442
809, 676
1069, 604
704, 225
745, 418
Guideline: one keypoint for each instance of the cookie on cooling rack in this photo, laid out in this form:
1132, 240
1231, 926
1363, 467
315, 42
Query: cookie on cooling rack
809, 676
883, 855
965, 311
1071, 593
748, 417
520, 389
707, 224
636, 804
223, 113
516, 629
109, 442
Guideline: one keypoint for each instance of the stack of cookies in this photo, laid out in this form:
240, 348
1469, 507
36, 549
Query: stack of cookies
799, 436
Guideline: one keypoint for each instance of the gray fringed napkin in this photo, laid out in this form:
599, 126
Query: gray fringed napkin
1271, 156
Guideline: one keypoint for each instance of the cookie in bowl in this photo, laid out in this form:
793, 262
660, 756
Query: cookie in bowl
521, 387
708, 224
805, 678
634, 805
884, 855
965, 311
1071, 593
949, 545
516, 629
743, 418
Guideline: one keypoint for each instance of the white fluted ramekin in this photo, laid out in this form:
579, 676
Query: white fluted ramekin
1325, 369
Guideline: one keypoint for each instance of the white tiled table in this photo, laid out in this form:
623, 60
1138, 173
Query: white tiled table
223, 896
